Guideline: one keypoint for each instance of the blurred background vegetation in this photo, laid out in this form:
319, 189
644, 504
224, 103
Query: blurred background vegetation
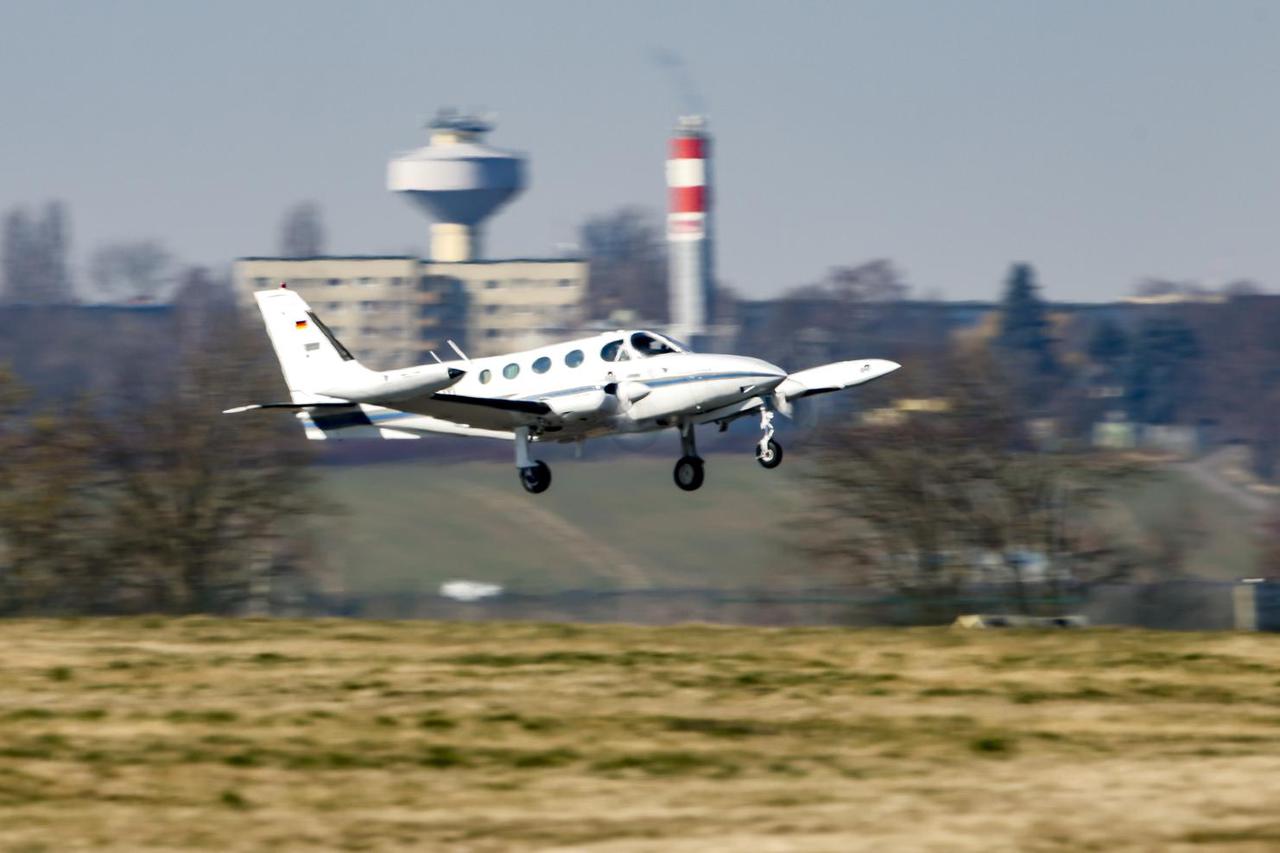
1030, 456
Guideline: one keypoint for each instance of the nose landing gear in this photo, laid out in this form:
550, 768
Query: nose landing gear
768, 451
769, 455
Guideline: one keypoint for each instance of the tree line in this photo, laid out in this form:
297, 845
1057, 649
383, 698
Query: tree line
36, 265
130, 493
141, 497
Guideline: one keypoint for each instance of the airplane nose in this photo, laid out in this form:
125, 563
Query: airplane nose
761, 366
776, 374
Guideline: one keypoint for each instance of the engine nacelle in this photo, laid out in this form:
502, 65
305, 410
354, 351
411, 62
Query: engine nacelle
583, 405
371, 386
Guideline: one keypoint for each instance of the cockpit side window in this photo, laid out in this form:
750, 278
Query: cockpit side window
646, 344
613, 351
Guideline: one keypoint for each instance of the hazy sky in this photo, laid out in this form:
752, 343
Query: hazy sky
1103, 141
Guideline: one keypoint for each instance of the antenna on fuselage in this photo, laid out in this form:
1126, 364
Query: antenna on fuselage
436, 357
462, 355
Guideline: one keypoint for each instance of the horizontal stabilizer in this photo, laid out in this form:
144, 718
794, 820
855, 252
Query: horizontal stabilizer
295, 406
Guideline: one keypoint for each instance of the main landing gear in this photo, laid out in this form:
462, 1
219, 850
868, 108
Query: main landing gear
768, 451
688, 474
535, 476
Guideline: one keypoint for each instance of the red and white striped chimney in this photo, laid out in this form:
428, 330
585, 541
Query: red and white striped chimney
692, 290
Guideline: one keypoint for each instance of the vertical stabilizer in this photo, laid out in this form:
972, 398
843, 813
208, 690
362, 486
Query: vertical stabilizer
310, 356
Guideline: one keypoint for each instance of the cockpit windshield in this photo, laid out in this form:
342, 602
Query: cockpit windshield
648, 344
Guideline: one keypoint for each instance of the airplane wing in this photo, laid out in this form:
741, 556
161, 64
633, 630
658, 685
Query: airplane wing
366, 421
805, 383
488, 413
502, 404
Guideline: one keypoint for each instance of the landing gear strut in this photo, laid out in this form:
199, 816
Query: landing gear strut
768, 451
688, 474
535, 476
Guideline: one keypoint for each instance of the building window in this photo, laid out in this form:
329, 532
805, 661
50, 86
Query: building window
485, 376
511, 371
542, 365
491, 284
334, 282
573, 358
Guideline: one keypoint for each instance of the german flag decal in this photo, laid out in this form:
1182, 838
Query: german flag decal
300, 324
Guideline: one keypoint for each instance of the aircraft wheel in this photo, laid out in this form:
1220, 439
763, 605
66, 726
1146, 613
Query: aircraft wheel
536, 478
771, 456
689, 473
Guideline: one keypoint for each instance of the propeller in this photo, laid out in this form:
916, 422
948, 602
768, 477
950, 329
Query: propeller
627, 392
781, 404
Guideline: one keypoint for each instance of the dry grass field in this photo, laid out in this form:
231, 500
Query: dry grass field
298, 735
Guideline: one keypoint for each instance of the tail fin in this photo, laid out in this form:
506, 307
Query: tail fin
309, 354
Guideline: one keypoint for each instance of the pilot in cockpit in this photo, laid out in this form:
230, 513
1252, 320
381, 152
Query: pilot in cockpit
647, 344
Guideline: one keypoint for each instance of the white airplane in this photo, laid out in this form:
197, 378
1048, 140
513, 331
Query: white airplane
616, 382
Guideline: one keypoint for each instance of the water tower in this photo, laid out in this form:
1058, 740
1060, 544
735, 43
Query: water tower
459, 181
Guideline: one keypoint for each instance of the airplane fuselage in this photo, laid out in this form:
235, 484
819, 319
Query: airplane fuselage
614, 382
599, 385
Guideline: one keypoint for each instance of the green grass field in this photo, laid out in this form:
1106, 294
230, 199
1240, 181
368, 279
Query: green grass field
406, 527
199, 733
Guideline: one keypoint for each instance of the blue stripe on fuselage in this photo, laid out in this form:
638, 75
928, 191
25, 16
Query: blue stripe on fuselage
379, 417
656, 383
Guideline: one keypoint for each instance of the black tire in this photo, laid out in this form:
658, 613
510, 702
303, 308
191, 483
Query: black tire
536, 478
689, 474
772, 455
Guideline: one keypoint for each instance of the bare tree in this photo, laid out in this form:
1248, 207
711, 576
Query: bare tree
302, 231
199, 498
935, 502
153, 500
628, 264
1269, 547
19, 266
137, 271
47, 504
56, 242
35, 251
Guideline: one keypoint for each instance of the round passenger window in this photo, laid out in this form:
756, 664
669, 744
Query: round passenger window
542, 365
485, 376
511, 371
573, 358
